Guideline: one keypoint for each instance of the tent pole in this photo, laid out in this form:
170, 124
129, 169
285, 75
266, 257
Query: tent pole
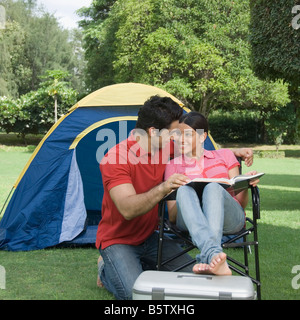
6, 201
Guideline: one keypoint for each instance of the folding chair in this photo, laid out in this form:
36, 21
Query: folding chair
242, 268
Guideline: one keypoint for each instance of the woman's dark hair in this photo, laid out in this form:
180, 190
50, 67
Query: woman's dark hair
195, 120
158, 112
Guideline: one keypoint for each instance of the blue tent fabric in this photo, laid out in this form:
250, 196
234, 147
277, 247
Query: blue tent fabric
58, 199
40, 213
36, 221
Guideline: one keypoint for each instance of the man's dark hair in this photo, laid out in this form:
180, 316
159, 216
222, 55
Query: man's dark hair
158, 112
195, 120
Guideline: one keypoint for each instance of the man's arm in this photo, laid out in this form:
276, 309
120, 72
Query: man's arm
131, 205
246, 154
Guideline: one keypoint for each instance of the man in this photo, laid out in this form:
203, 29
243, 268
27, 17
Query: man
132, 174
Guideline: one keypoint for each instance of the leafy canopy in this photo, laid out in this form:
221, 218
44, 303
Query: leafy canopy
198, 50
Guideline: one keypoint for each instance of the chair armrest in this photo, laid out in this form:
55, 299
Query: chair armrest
239, 159
255, 202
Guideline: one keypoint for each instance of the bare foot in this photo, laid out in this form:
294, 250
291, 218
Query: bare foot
99, 283
202, 268
219, 266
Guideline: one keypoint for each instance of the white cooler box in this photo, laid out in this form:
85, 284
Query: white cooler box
164, 285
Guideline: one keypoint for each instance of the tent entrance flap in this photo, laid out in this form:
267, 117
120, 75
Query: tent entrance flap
74, 210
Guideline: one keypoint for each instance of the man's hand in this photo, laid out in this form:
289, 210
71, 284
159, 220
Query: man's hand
174, 182
246, 154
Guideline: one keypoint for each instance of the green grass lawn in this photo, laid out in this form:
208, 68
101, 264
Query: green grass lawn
279, 227
71, 273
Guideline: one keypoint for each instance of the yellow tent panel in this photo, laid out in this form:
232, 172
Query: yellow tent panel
123, 94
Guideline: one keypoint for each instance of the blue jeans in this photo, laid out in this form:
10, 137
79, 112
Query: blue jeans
206, 220
124, 263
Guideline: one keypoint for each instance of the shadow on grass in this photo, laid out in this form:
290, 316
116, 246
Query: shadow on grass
284, 180
280, 192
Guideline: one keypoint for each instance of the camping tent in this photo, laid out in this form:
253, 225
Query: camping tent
57, 197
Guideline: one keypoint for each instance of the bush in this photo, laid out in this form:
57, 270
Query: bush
277, 126
228, 127
12, 116
34, 111
280, 126
40, 106
273, 154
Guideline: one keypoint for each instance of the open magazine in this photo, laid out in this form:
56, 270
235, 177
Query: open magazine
233, 186
229, 182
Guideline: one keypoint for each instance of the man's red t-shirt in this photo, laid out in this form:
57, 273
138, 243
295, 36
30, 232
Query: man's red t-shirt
128, 163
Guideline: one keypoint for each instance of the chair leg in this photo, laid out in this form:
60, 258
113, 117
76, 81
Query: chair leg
246, 256
243, 269
257, 270
161, 210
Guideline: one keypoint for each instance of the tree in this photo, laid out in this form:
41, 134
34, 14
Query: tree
197, 50
275, 40
77, 75
31, 43
55, 86
47, 48
98, 71
38, 105
12, 40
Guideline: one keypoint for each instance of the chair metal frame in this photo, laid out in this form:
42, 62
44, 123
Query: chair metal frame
242, 268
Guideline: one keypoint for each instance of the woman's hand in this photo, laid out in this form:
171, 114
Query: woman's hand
255, 182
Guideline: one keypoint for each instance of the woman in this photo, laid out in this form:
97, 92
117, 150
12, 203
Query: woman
216, 212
